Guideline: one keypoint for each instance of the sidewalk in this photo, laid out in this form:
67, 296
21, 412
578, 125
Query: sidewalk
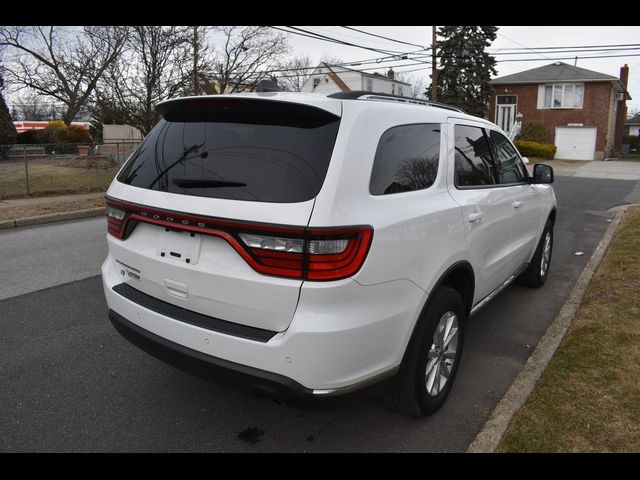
28, 211
595, 169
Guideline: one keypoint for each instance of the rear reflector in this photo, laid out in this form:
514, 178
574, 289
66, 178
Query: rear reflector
319, 254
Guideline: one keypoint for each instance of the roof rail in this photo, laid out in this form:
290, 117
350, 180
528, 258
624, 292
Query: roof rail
364, 95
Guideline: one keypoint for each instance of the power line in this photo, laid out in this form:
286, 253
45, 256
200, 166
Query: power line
569, 51
387, 38
568, 46
401, 55
566, 58
318, 36
522, 45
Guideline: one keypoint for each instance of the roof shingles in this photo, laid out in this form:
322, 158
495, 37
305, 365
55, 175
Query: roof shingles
555, 72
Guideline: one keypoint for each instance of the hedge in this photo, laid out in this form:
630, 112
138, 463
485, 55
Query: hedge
535, 149
56, 132
632, 140
533, 132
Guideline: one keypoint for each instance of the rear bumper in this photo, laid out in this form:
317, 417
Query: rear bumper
343, 337
234, 375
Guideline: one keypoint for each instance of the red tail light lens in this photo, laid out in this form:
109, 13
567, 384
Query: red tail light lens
319, 254
115, 221
334, 254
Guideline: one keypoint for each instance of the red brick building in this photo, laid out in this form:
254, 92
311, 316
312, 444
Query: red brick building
583, 111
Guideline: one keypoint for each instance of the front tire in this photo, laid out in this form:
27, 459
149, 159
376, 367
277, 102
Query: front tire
433, 356
536, 273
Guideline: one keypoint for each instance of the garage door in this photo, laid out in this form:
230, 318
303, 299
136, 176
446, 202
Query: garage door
575, 143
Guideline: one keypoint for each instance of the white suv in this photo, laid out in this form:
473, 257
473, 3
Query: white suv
309, 247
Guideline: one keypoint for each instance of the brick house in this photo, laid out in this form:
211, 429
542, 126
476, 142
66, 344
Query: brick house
583, 111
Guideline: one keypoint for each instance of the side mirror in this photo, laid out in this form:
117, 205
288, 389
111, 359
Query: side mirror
542, 173
525, 160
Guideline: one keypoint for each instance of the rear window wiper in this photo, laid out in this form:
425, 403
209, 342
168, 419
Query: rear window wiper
190, 182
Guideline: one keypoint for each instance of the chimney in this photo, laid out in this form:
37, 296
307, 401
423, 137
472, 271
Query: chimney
621, 113
391, 75
624, 75
274, 79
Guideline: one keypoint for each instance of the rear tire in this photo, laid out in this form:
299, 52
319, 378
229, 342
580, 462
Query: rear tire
536, 273
431, 361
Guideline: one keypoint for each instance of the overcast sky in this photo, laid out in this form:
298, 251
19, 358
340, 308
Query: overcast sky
509, 37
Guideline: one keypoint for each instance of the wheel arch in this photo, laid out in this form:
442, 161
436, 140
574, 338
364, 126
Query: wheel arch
459, 276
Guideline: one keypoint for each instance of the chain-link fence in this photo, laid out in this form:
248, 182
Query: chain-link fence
41, 169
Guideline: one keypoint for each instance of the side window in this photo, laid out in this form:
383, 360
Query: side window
474, 163
510, 166
406, 159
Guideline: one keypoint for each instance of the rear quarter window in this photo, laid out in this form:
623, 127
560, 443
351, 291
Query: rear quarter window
406, 159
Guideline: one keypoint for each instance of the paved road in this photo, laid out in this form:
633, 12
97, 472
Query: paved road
68, 382
46, 256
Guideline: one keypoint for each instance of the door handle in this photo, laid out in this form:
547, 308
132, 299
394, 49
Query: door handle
517, 204
475, 217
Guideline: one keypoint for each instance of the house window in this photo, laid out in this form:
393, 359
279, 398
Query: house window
316, 82
400, 90
369, 87
393, 89
564, 95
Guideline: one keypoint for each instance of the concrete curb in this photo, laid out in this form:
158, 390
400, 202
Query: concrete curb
489, 436
53, 217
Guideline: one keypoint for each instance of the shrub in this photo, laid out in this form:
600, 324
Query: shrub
56, 132
30, 136
75, 134
7, 130
632, 140
533, 132
535, 149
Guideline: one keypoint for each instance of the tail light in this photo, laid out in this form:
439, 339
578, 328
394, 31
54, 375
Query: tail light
115, 221
319, 254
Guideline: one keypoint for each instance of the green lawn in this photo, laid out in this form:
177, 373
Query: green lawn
588, 398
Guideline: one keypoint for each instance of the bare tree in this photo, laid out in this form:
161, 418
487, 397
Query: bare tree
156, 65
244, 56
297, 71
63, 63
331, 59
201, 59
418, 84
31, 106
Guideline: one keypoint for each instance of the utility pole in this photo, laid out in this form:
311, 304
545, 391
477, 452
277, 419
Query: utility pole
434, 66
196, 49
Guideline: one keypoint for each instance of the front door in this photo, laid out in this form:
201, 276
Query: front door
506, 111
486, 209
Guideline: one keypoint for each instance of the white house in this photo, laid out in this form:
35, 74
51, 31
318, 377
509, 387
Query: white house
632, 125
332, 79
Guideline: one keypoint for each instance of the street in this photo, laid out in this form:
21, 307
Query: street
69, 382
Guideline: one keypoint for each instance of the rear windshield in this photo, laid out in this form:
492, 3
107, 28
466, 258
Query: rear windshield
236, 149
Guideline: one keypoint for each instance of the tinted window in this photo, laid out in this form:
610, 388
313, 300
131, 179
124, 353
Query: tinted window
510, 167
236, 149
474, 164
406, 159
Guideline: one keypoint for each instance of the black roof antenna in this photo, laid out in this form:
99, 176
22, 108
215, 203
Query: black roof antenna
267, 86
